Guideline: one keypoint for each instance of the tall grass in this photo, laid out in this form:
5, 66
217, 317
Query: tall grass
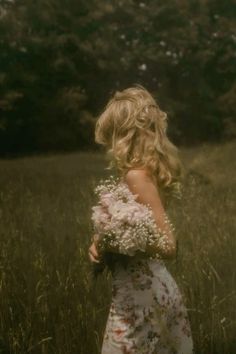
49, 302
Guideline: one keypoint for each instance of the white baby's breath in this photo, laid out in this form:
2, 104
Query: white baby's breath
123, 223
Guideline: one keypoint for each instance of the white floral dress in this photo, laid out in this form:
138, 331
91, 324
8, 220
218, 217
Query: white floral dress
147, 314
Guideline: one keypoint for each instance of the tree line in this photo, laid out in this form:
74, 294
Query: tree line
60, 62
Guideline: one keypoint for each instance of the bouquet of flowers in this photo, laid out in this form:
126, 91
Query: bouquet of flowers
122, 224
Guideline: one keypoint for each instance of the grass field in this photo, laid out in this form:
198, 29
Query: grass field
49, 302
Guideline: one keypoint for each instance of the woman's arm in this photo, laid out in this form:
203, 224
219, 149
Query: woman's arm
139, 182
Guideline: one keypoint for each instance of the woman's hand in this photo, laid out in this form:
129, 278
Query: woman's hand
93, 252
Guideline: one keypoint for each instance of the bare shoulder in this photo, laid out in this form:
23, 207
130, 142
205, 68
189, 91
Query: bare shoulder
137, 176
140, 182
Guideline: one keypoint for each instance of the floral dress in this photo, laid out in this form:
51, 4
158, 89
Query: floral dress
147, 314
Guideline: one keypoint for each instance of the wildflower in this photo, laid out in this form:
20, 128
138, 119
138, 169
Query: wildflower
124, 224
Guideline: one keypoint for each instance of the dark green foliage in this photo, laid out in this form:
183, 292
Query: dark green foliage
60, 61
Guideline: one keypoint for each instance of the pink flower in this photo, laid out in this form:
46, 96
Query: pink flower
100, 217
120, 220
106, 199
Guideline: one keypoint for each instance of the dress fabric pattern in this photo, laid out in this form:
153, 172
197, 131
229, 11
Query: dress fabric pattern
147, 314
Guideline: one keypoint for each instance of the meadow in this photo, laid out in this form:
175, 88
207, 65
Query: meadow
49, 300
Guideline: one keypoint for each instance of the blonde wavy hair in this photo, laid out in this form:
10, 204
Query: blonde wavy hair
133, 129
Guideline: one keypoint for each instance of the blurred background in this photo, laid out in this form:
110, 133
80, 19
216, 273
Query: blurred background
61, 60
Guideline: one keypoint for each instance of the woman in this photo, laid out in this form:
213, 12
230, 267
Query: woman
147, 314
